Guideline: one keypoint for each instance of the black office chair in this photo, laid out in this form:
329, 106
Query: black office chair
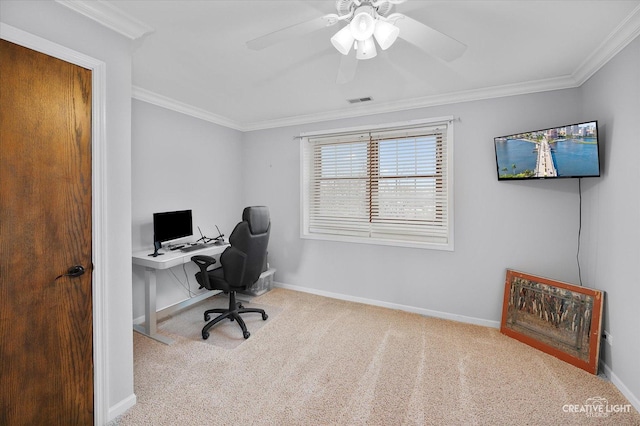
242, 263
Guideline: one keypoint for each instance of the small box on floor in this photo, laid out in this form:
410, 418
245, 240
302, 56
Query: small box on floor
264, 284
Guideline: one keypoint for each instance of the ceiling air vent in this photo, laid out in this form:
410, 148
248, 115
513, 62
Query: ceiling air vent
358, 100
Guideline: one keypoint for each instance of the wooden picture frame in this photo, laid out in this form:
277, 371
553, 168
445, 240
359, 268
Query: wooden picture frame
561, 319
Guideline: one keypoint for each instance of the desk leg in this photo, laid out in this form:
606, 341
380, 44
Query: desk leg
151, 318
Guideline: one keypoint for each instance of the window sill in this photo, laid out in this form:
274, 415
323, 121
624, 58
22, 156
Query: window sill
378, 241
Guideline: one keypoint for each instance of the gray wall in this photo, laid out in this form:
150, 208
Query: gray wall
527, 226
612, 213
58, 24
181, 163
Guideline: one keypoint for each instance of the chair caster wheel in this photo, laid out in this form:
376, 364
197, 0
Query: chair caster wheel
206, 317
264, 317
205, 335
246, 334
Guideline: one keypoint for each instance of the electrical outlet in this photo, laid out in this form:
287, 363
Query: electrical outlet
608, 338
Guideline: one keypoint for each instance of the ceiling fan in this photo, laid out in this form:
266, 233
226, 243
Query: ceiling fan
367, 22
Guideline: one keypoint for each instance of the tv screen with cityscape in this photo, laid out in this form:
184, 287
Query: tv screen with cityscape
570, 151
169, 226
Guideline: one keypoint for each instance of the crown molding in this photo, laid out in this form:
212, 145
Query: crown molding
110, 16
558, 83
169, 103
619, 38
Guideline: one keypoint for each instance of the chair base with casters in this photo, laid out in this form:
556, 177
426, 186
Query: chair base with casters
232, 313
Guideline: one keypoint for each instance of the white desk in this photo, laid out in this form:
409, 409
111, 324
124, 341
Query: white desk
151, 265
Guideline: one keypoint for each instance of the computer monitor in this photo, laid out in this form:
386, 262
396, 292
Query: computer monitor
169, 226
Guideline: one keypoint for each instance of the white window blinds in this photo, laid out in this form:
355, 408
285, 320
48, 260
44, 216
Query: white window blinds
383, 185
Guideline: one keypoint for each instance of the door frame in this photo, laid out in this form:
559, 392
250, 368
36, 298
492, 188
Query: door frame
99, 223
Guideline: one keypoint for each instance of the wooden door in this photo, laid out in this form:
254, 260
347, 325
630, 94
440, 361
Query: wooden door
46, 330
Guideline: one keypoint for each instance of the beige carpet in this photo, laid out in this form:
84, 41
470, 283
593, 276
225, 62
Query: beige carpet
322, 361
188, 323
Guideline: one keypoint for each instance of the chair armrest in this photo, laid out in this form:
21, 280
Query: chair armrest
203, 263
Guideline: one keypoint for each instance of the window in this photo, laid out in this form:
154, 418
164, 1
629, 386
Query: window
387, 185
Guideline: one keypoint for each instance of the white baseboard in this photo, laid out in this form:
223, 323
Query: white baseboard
406, 308
633, 399
122, 406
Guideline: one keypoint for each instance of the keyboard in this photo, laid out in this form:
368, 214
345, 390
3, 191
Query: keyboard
193, 248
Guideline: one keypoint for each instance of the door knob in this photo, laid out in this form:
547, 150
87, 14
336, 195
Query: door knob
73, 271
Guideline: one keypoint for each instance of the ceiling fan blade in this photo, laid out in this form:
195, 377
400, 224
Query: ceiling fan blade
347, 69
293, 31
431, 41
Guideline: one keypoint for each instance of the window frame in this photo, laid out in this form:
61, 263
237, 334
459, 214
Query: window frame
305, 179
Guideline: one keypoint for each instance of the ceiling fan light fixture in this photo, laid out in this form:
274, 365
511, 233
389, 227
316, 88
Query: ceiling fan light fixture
366, 49
363, 23
343, 40
385, 34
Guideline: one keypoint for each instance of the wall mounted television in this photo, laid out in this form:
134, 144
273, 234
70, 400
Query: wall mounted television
169, 226
570, 151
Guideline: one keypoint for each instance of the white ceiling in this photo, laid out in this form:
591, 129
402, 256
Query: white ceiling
193, 56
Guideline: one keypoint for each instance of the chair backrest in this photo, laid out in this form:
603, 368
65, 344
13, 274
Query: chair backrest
243, 262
